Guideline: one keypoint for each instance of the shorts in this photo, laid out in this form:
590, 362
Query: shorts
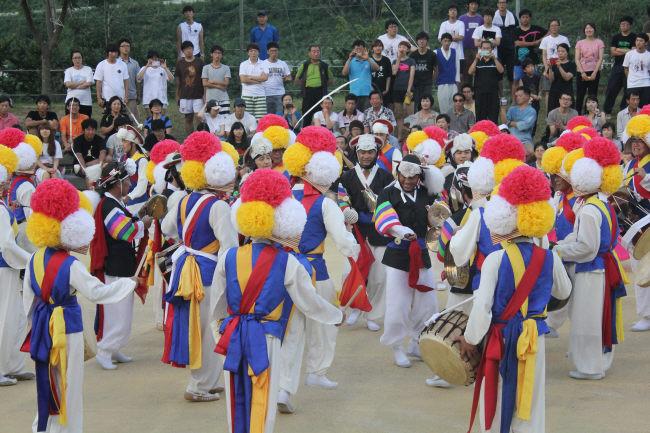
190, 106
518, 72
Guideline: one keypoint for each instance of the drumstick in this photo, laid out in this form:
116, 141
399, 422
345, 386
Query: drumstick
353, 297
142, 260
436, 316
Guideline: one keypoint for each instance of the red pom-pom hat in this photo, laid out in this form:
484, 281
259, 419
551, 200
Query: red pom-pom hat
603, 151
271, 120
11, 137
317, 138
56, 198
503, 146
570, 141
267, 185
578, 121
200, 146
163, 148
490, 128
436, 133
525, 184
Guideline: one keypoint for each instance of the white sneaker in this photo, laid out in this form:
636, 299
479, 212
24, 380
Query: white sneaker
372, 326
414, 349
401, 360
353, 317
641, 326
105, 362
284, 402
320, 381
437, 382
585, 376
7, 381
121, 358
552, 333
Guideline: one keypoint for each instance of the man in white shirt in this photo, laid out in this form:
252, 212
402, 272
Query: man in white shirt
637, 69
391, 40
487, 32
190, 30
278, 72
154, 76
326, 117
456, 29
241, 115
252, 74
551, 41
111, 77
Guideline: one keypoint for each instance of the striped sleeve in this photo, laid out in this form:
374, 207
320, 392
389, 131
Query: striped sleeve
343, 199
119, 226
385, 218
446, 231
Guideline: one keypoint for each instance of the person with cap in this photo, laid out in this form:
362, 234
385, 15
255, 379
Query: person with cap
401, 215
255, 288
156, 109
461, 151
202, 223
275, 130
139, 189
389, 154
158, 133
263, 34
595, 311
112, 257
154, 77
365, 181
210, 115
12, 260
258, 155
242, 116
61, 222
509, 308
313, 163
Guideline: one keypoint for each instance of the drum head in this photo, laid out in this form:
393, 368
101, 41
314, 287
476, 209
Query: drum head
444, 360
642, 272
642, 246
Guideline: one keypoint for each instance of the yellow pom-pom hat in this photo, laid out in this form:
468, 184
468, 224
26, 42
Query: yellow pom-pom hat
500, 155
599, 169
554, 156
275, 130
313, 157
428, 144
206, 162
61, 217
481, 131
522, 205
155, 167
639, 127
27, 147
8, 163
266, 208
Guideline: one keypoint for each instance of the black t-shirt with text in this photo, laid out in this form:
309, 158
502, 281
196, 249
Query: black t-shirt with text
424, 66
380, 76
534, 33
89, 149
486, 78
624, 42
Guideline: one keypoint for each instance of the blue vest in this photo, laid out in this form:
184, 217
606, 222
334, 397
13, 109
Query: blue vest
598, 264
313, 236
386, 164
12, 220
446, 68
484, 247
19, 211
562, 225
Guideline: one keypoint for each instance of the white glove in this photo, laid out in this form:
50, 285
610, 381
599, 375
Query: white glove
130, 167
351, 216
400, 231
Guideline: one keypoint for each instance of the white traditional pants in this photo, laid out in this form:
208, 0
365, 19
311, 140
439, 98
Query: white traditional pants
377, 285
293, 347
557, 318
321, 338
642, 295
155, 297
117, 324
13, 322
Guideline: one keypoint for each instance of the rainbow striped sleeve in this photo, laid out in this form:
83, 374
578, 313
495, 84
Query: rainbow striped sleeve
119, 226
342, 197
385, 218
446, 231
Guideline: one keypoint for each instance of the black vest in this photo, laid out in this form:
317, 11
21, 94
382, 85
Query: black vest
120, 261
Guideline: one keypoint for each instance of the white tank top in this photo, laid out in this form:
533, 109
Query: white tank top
191, 33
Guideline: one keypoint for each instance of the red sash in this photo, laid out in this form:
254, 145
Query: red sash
488, 369
365, 259
187, 238
98, 249
567, 210
250, 294
415, 264
388, 164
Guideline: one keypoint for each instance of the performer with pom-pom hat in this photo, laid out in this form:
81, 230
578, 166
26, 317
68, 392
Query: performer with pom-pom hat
595, 311
509, 309
60, 222
12, 259
204, 228
481, 131
275, 130
389, 154
252, 284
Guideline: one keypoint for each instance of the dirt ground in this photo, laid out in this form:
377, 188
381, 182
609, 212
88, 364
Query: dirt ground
373, 396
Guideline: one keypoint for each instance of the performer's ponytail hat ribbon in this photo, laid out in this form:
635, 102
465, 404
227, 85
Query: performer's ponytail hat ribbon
599, 169
155, 167
207, 161
313, 156
27, 147
499, 156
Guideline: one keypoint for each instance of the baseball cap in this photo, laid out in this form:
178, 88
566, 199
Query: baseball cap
239, 102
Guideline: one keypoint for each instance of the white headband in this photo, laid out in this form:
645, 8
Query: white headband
409, 169
366, 142
260, 145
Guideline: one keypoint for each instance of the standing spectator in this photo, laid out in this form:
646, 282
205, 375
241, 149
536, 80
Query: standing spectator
551, 41
359, 67
455, 28
471, 20
154, 77
507, 22
594, 114
633, 100
7, 118
216, 78
487, 32
637, 69
71, 123
349, 114
111, 77
50, 157
189, 87
468, 93
240, 115
326, 117
211, 116
77, 79
376, 112
424, 117
589, 59
263, 33
486, 69
289, 112
133, 68
381, 78
646, 25
560, 116
448, 73
252, 75
192, 31
313, 77
620, 45
425, 69
527, 39
41, 116
156, 113
278, 72
404, 72
391, 40
461, 119
114, 109
521, 118
560, 73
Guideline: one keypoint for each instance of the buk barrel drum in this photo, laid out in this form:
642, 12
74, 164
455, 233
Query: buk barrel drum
440, 352
637, 238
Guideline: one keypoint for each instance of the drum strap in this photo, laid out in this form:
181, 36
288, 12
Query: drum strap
488, 369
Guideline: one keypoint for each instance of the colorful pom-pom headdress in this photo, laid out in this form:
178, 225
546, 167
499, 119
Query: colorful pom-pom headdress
155, 167
312, 156
500, 155
275, 130
599, 169
428, 144
266, 208
639, 127
61, 216
481, 131
522, 205
27, 147
553, 157
207, 162
8, 163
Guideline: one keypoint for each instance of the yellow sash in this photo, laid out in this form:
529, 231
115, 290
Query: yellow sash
190, 288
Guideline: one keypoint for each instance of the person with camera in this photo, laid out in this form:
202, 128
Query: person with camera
154, 77
486, 69
359, 66
289, 111
560, 73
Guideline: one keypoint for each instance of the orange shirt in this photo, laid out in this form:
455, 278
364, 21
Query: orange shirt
64, 126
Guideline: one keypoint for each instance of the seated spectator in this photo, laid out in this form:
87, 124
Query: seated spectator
535, 159
633, 100
114, 108
530, 79
211, 115
326, 117
158, 133
48, 161
114, 148
377, 111
349, 154
521, 118
558, 118
608, 132
468, 93
349, 114
290, 112
355, 128
89, 147
7, 118
238, 138
71, 123
592, 111
462, 119
41, 116
154, 77
425, 117
443, 121
155, 113
240, 115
